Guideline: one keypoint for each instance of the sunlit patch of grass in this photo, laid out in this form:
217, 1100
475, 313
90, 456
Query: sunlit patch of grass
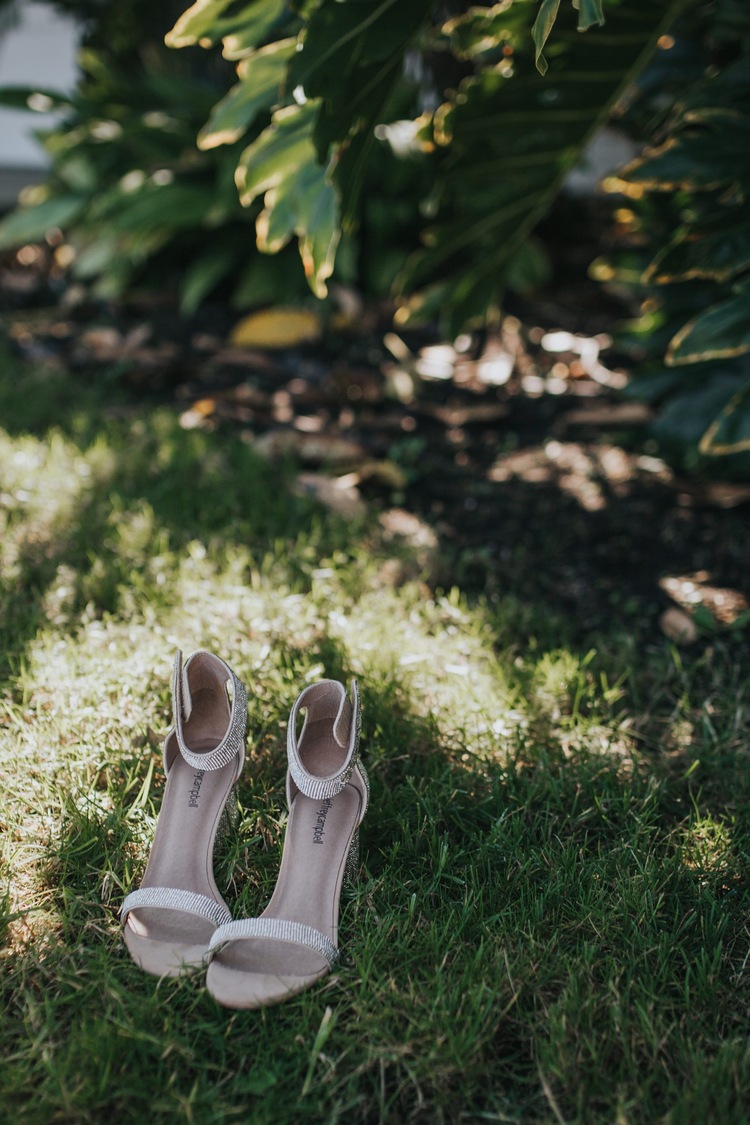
551, 917
707, 847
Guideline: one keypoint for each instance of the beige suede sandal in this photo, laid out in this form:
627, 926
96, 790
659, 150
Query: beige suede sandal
255, 962
168, 923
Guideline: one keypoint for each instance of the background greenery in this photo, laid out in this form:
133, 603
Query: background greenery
412, 150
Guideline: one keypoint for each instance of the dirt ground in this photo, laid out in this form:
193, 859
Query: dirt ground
514, 449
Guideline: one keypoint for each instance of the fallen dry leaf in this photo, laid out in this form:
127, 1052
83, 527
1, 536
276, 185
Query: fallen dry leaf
311, 448
471, 414
615, 414
398, 523
387, 473
715, 493
337, 494
277, 328
678, 626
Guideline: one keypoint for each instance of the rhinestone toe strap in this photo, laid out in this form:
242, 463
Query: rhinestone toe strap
233, 742
169, 898
279, 930
322, 788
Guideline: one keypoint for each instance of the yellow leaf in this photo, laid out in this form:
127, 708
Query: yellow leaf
277, 328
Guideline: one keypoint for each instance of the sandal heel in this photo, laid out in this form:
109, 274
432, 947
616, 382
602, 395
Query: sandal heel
351, 868
229, 819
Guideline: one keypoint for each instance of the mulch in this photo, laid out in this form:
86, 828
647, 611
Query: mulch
514, 449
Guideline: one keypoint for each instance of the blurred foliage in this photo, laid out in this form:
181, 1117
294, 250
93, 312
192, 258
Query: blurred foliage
454, 93
689, 201
140, 205
414, 147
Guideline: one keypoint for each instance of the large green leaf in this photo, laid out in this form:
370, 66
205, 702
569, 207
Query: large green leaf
30, 224
205, 273
699, 159
282, 164
351, 58
278, 152
682, 419
719, 250
304, 204
242, 30
31, 97
198, 22
503, 144
540, 32
730, 431
589, 13
155, 207
722, 330
244, 34
261, 76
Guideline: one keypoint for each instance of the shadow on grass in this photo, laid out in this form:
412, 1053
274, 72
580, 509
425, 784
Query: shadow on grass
526, 933
548, 931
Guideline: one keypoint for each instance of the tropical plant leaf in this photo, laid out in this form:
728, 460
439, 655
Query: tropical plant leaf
261, 76
243, 35
698, 159
540, 32
157, 207
30, 224
304, 204
300, 199
730, 431
204, 274
530, 268
278, 152
718, 251
351, 58
198, 22
702, 273
590, 12
721, 331
681, 421
502, 146
31, 97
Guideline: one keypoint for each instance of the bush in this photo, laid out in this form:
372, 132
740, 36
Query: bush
141, 206
452, 93
417, 140
691, 204
413, 149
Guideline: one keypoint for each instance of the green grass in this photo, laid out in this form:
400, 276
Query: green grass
551, 923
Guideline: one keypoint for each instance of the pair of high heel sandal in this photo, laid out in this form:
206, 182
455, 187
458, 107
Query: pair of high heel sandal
177, 920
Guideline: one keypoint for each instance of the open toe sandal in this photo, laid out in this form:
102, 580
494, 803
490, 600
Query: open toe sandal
254, 962
168, 922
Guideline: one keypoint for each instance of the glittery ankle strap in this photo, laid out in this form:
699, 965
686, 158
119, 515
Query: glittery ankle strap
345, 727
233, 743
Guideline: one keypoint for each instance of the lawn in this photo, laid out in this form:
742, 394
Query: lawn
551, 921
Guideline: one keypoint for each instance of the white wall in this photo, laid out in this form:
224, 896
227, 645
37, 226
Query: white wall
38, 50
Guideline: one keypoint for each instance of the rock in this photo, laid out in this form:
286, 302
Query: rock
678, 626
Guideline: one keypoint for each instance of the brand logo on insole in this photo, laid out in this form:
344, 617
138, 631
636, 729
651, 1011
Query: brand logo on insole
195, 792
320, 824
